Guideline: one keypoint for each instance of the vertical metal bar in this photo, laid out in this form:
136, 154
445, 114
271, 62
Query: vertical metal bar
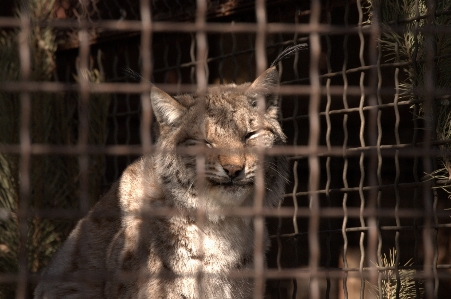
83, 127
435, 245
376, 194
398, 170
201, 78
25, 148
260, 42
362, 155
345, 144
429, 113
146, 75
200, 220
434, 235
313, 160
279, 226
201, 42
374, 138
259, 255
416, 129
295, 210
295, 171
328, 144
146, 50
295, 142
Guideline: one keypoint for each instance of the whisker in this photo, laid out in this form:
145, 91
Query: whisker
273, 168
189, 188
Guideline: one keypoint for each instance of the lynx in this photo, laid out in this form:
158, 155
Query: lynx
117, 251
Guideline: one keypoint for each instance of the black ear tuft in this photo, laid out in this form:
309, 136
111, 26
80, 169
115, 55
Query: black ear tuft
289, 52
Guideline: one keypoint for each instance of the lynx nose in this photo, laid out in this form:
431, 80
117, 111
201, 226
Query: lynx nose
232, 170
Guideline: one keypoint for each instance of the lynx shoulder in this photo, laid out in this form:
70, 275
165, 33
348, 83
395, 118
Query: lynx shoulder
119, 251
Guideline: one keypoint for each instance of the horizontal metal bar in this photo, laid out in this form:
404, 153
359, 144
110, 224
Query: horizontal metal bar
297, 152
137, 88
288, 273
362, 229
239, 212
356, 189
350, 110
188, 27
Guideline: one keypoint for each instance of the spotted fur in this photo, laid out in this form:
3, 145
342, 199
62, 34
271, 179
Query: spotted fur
117, 251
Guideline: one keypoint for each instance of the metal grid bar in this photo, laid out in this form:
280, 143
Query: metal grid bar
345, 162
396, 181
375, 135
313, 141
25, 157
136, 26
201, 83
146, 42
83, 129
428, 238
258, 221
362, 156
328, 161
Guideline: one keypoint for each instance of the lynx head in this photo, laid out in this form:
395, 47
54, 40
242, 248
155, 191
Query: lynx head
227, 120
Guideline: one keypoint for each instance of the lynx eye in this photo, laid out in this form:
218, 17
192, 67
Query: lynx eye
193, 142
252, 135
208, 143
190, 142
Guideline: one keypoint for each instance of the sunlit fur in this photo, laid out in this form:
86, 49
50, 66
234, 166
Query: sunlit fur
127, 253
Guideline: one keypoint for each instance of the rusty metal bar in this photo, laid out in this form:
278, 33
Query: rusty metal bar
295, 170
328, 161
83, 127
158, 26
259, 221
201, 72
362, 155
25, 156
133, 88
429, 242
146, 51
297, 152
242, 212
374, 243
313, 142
397, 176
287, 273
346, 162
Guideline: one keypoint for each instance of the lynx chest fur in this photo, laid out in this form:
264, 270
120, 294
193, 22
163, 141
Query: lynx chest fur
121, 250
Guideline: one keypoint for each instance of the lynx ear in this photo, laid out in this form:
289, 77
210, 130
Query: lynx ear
264, 86
167, 110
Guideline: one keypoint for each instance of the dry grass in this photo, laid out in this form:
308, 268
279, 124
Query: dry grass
401, 281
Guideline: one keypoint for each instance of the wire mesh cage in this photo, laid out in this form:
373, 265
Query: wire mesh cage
365, 110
